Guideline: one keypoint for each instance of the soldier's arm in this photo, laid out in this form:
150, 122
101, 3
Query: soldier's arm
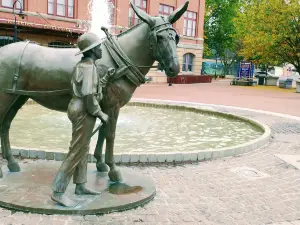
91, 105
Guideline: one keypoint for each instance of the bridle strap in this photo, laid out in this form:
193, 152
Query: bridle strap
160, 25
153, 38
154, 51
166, 28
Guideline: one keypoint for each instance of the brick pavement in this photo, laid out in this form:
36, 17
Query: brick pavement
210, 192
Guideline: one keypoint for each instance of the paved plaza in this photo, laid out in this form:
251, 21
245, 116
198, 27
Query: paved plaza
259, 187
272, 99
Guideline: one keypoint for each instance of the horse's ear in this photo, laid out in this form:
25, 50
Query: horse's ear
175, 15
142, 15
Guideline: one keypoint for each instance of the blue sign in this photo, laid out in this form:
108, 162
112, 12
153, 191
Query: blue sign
245, 70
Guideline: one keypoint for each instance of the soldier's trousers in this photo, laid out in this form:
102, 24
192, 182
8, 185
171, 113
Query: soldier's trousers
75, 163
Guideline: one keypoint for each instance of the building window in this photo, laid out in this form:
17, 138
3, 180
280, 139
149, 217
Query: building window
63, 8
190, 21
165, 10
60, 44
188, 62
133, 18
10, 3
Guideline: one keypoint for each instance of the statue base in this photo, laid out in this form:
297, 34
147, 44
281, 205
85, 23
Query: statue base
30, 190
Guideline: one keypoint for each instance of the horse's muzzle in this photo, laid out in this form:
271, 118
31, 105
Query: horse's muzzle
173, 69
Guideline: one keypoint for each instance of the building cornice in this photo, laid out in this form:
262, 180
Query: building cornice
191, 38
41, 26
190, 46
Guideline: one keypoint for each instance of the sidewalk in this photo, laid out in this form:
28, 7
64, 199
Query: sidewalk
221, 93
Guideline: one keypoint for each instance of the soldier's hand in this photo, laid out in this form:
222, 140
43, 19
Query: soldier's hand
111, 71
103, 117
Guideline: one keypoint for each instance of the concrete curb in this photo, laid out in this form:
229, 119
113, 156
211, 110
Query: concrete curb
168, 157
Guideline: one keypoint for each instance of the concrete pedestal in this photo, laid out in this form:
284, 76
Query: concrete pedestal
298, 86
271, 81
30, 190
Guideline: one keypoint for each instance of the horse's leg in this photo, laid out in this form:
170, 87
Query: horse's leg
101, 166
114, 173
6, 102
12, 165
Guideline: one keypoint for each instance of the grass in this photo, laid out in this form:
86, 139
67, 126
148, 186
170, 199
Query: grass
272, 88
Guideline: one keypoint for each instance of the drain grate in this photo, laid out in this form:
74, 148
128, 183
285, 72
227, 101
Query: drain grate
286, 128
249, 173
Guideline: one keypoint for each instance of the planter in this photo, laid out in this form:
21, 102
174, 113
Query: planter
271, 81
287, 83
298, 86
243, 82
281, 83
190, 79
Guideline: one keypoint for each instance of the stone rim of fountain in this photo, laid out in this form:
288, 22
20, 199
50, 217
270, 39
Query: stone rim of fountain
169, 157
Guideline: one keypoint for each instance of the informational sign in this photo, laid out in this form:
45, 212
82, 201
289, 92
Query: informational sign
42, 26
245, 71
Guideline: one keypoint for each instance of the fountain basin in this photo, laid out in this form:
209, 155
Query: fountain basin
147, 132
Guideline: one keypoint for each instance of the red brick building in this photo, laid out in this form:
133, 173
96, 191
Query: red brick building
58, 23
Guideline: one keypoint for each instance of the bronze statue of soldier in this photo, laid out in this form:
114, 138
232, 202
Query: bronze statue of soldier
30, 71
83, 111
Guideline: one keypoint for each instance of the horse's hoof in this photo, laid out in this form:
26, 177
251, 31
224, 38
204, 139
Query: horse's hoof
101, 167
1, 174
115, 175
14, 167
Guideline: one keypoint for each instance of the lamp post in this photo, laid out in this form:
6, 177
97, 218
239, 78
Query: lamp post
216, 66
170, 81
20, 14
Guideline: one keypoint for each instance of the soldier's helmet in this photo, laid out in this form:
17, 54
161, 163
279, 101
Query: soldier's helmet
87, 42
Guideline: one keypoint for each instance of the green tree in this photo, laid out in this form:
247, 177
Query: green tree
219, 30
269, 32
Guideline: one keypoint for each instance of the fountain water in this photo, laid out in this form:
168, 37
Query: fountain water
101, 14
139, 130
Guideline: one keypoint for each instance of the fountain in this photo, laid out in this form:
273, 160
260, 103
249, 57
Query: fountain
29, 189
140, 130
101, 14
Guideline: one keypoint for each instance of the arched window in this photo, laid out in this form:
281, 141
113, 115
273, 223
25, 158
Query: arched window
60, 44
188, 59
5, 40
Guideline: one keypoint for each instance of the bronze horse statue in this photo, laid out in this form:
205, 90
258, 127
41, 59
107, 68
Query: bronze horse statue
43, 74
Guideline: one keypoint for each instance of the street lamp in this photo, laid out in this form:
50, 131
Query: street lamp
216, 66
21, 15
170, 81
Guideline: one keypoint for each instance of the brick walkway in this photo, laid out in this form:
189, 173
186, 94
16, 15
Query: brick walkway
272, 99
212, 192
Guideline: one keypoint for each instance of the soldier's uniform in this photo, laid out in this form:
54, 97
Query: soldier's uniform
83, 110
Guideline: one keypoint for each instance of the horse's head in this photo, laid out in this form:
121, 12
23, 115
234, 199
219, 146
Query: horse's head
163, 38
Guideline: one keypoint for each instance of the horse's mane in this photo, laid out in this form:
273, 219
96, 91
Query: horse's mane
130, 29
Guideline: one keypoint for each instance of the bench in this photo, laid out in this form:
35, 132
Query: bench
243, 82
